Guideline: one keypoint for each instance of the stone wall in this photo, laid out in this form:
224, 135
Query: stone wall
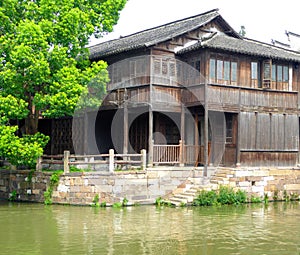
80, 188
261, 181
142, 186
28, 185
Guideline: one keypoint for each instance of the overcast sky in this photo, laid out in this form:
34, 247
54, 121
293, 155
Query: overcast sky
263, 19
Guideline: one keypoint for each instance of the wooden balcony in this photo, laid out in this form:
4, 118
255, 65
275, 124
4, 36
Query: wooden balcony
156, 70
233, 98
172, 80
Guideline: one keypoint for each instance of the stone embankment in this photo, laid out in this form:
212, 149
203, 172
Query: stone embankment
81, 188
178, 185
257, 182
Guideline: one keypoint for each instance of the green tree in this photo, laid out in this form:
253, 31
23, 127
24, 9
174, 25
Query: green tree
44, 64
43, 55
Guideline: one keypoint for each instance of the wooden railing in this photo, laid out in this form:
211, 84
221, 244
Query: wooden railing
159, 70
222, 96
179, 154
111, 159
248, 97
167, 154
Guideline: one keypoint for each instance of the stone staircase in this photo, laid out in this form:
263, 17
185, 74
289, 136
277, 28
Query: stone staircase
222, 176
183, 198
186, 193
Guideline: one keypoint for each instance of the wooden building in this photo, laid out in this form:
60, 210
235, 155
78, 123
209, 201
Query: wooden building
195, 92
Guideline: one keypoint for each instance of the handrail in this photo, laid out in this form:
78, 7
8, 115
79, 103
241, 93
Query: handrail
111, 159
168, 153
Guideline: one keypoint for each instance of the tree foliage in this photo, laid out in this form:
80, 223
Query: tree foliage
44, 62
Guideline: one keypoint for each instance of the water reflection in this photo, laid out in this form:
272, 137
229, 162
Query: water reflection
250, 229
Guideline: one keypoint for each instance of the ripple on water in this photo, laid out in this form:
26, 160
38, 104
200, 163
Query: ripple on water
241, 230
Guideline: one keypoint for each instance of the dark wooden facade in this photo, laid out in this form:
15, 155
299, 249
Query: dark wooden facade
195, 89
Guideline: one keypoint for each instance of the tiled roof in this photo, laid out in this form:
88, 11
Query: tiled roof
154, 35
244, 46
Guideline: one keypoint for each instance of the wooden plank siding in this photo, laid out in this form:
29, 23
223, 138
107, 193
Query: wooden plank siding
263, 131
269, 139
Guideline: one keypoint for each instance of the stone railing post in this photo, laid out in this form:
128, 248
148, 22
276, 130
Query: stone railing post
143, 159
39, 164
111, 160
66, 162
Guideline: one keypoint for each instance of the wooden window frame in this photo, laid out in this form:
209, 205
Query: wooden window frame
255, 74
223, 70
280, 76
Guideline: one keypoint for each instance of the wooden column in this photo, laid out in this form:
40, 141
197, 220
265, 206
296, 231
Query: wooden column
205, 129
182, 135
238, 146
197, 148
125, 129
150, 138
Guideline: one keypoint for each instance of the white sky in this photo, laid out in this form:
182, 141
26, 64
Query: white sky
263, 19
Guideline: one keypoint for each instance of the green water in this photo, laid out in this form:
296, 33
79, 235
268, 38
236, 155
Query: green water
252, 229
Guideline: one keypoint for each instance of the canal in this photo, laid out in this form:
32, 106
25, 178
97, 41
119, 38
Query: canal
30, 229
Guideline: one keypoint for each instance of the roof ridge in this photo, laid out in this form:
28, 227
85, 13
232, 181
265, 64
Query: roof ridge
271, 45
163, 25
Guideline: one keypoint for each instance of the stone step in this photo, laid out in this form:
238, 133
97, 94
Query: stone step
222, 175
177, 201
217, 178
190, 193
185, 197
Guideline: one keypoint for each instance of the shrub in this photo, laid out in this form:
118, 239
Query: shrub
21, 151
225, 195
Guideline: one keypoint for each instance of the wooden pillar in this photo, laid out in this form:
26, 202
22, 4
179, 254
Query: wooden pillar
125, 129
197, 147
181, 153
205, 129
150, 138
239, 134
182, 134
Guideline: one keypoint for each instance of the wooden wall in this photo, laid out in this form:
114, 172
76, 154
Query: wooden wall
269, 139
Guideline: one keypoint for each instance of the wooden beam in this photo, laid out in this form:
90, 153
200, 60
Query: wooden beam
162, 49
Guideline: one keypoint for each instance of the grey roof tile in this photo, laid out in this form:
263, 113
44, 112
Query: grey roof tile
152, 36
244, 46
